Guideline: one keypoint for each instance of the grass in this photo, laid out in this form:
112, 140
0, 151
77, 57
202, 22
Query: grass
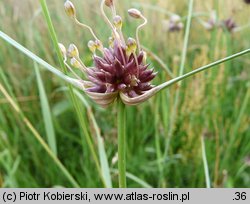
212, 105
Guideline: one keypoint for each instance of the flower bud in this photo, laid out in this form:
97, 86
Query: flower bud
62, 49
75, 63
98, 45
73, 51
70, 9
131, 45
117, 22
92, 46
134, 81
111, 41
109, 3
134, 13
145, 56
175, 23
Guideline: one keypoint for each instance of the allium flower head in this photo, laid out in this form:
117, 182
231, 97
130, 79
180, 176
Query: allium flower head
120, 69
117, 71
212, 22
175, 23
229, 24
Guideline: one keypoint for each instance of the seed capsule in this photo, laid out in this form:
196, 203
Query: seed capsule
73, 51
134, 13
70, 9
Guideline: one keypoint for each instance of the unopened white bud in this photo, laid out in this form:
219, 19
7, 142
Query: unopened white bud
70, 9
75, 63
131, 45
73, 51
92, 46
135, 13
109, 3
117, 22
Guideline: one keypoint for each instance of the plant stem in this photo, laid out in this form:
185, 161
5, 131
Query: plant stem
82, 120
203, 68
205, 164
158, 142
121, 120
181, 71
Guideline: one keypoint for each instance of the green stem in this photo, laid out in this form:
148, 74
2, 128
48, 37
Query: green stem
82, 120
205, 164
121, 120
158, 143
203, 68
236, 127
181, 71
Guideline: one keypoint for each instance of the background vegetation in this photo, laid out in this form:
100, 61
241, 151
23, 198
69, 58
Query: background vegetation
164, 147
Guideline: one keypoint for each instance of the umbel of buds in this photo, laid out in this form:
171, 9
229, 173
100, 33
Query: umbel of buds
119, 70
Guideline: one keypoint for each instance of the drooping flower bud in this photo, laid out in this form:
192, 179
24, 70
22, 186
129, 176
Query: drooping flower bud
131, 45
92, 46
70, 9
75, 63
135, 13
63, 50
73, 51
109, 3
117, 22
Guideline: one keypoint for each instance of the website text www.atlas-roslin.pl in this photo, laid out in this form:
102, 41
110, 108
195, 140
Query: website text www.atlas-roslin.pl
143, 196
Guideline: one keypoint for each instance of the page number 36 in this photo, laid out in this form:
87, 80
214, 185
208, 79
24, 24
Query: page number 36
240, 196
